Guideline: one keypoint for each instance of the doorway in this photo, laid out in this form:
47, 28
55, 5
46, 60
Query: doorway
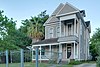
68, 51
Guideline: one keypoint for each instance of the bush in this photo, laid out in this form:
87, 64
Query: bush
98, 51
75, 62
98, 61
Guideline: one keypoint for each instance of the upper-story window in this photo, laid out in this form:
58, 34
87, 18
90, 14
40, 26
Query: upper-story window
51, 32
58, 31
69, 29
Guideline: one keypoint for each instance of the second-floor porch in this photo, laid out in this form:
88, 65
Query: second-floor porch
69, 27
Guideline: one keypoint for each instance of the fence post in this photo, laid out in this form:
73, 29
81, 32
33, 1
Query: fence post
7, 58
36, 56
22, 58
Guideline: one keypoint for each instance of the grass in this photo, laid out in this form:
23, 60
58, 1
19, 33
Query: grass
33, 65
80, 62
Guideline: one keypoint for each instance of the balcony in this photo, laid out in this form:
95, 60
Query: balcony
68, 38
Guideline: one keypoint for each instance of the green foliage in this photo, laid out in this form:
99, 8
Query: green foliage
98, 61
34, 26
7, 26
19, 39
95, 46
36, 29
75, 62
98, 52
10, 37
94, 40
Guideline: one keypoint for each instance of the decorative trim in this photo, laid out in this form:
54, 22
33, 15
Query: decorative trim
67, 13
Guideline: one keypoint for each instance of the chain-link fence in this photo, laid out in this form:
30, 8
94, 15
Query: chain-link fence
50, 58
27, 58
14, 56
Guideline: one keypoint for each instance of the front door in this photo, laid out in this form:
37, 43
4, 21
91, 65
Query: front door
68, 52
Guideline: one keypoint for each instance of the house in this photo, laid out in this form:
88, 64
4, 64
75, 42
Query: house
67, 33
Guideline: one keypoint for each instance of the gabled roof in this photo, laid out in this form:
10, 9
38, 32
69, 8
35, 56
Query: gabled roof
53, 15
67, 8
57, 9
54, 19
61, 9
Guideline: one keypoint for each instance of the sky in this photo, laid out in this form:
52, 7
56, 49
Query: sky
24, 9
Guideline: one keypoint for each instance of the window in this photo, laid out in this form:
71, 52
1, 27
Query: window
58, 31
51, 32
69, 29
42, 51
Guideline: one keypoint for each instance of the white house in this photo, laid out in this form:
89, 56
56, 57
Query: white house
66, 32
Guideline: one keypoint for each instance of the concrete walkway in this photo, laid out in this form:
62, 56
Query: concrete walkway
86, 65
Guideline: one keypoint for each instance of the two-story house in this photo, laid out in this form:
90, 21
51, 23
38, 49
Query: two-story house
66, 32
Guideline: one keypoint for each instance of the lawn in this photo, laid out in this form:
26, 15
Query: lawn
33, 65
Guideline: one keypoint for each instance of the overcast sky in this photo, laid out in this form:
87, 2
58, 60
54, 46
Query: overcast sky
24, 9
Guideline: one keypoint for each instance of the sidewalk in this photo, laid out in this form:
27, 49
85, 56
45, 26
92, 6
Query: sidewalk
86, 65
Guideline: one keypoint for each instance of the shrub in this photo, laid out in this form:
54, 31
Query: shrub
98, 61
98, 51
75, 62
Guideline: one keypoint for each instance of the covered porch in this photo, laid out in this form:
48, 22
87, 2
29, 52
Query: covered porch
52, 49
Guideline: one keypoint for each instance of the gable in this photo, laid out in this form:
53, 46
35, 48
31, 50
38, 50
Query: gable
61, 9
54, 19
67, 8
57, 9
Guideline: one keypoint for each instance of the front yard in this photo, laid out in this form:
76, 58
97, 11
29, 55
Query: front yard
30, 64
33, 65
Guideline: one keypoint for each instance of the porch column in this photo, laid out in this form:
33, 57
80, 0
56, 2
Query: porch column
74, 50
77, 51
40, 54
50, 51
60, 51
60, 28
32, 54
74, 26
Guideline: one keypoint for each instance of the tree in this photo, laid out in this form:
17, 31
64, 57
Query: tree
36, 29
20, 39
6, 27
34, 26
98, 52
94, 40
10, 37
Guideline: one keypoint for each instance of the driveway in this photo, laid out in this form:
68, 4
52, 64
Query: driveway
86, 65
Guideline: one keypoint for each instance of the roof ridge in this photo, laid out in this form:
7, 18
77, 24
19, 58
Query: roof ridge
69, 5
60, 6
60, 9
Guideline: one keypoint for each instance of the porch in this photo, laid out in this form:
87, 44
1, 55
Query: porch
62, 50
